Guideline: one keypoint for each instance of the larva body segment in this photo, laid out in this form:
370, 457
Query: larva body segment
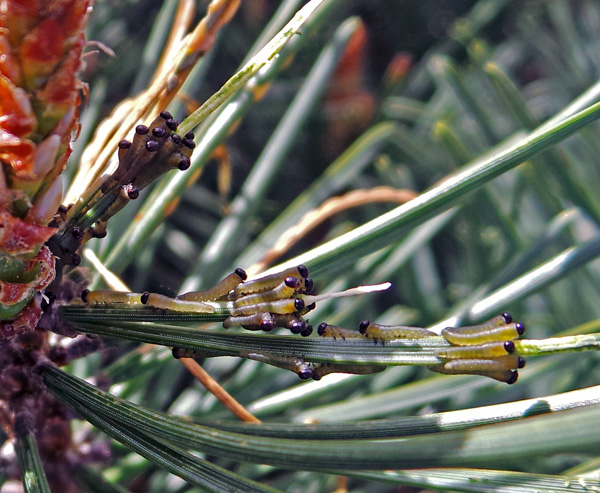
285, 289
502, 319
123, 147
139, 153
322, 369
290, 321
480, 334
140, 173
326, 330
502, 369
105, 296
163, 302
257, 321
291, 305
122, 195
506, 376
292, 363
128, 152
267, 283
380, 332
221, 290
510, 362
482, 351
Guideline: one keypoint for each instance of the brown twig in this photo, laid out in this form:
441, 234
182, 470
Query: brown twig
342, 485
219, 392
334, 205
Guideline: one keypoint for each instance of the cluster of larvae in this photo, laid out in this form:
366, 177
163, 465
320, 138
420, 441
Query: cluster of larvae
153, 151
486, 349
258, 304
277, 300
273, 301
280, 300
306, 370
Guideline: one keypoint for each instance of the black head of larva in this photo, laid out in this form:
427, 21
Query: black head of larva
316, 376
144, 297
509, 346
152, 146
190, 135
513, 378
307, 331
133, 192
321, 328
362, 327
172, 124
159, 132
267, 325
77, 233
165, 115
142, 129
297, 328
299, 304
124, 144
520, 362
184, 164
292, 282
176, 138
507, 317
305, 373
303, 270
84, 295
241, 273
520, 328
189, 143
308, 285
